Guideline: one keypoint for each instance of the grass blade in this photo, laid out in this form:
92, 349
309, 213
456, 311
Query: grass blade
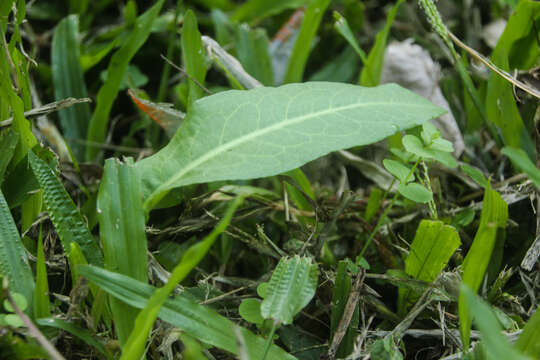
342, 288
529, 340
371, 72
145, 320
252, 51
342, 27
41, 293
494, 215
97, 129
304, 41
13, 260
68, 81
8, 143
255, 10
66, 218
193, 55
196, 320
122, 232
517, 48
495, 344
520, 159
73, 329
432, 247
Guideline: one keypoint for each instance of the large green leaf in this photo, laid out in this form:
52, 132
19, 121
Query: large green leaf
97, 129
432, 247
290, 289
67, 220
267, 131
196, 320
13, 259
122, 232
69, 82
494, 215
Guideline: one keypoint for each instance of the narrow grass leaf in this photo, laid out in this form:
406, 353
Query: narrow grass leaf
201, 322
13, 259
136, 343
272, 130
193, 55
529, 340
494, 215
41, 294
431, 249
253, 10
304, 40
342, 27
342, 288
495, 343
517, 48
64, 215
76, 331
252, 51
116, 70
291, 288
371, 72
122, 232
20, 124
521, 160
8, 142
68, 81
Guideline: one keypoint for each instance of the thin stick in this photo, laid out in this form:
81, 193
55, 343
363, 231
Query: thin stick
48, 108
348, 312
183, 71
33, 330
495, 68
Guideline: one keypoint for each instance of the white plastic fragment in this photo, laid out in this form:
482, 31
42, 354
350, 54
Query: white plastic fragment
412, 67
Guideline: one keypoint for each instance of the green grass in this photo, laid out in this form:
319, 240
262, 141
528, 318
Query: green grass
129, 230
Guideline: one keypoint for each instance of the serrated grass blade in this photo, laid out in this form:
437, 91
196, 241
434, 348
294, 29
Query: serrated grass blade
66, 218
13, 259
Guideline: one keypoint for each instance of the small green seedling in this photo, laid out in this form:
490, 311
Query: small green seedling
413, 184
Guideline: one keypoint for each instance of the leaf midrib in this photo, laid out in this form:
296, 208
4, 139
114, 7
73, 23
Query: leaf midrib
260, 132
